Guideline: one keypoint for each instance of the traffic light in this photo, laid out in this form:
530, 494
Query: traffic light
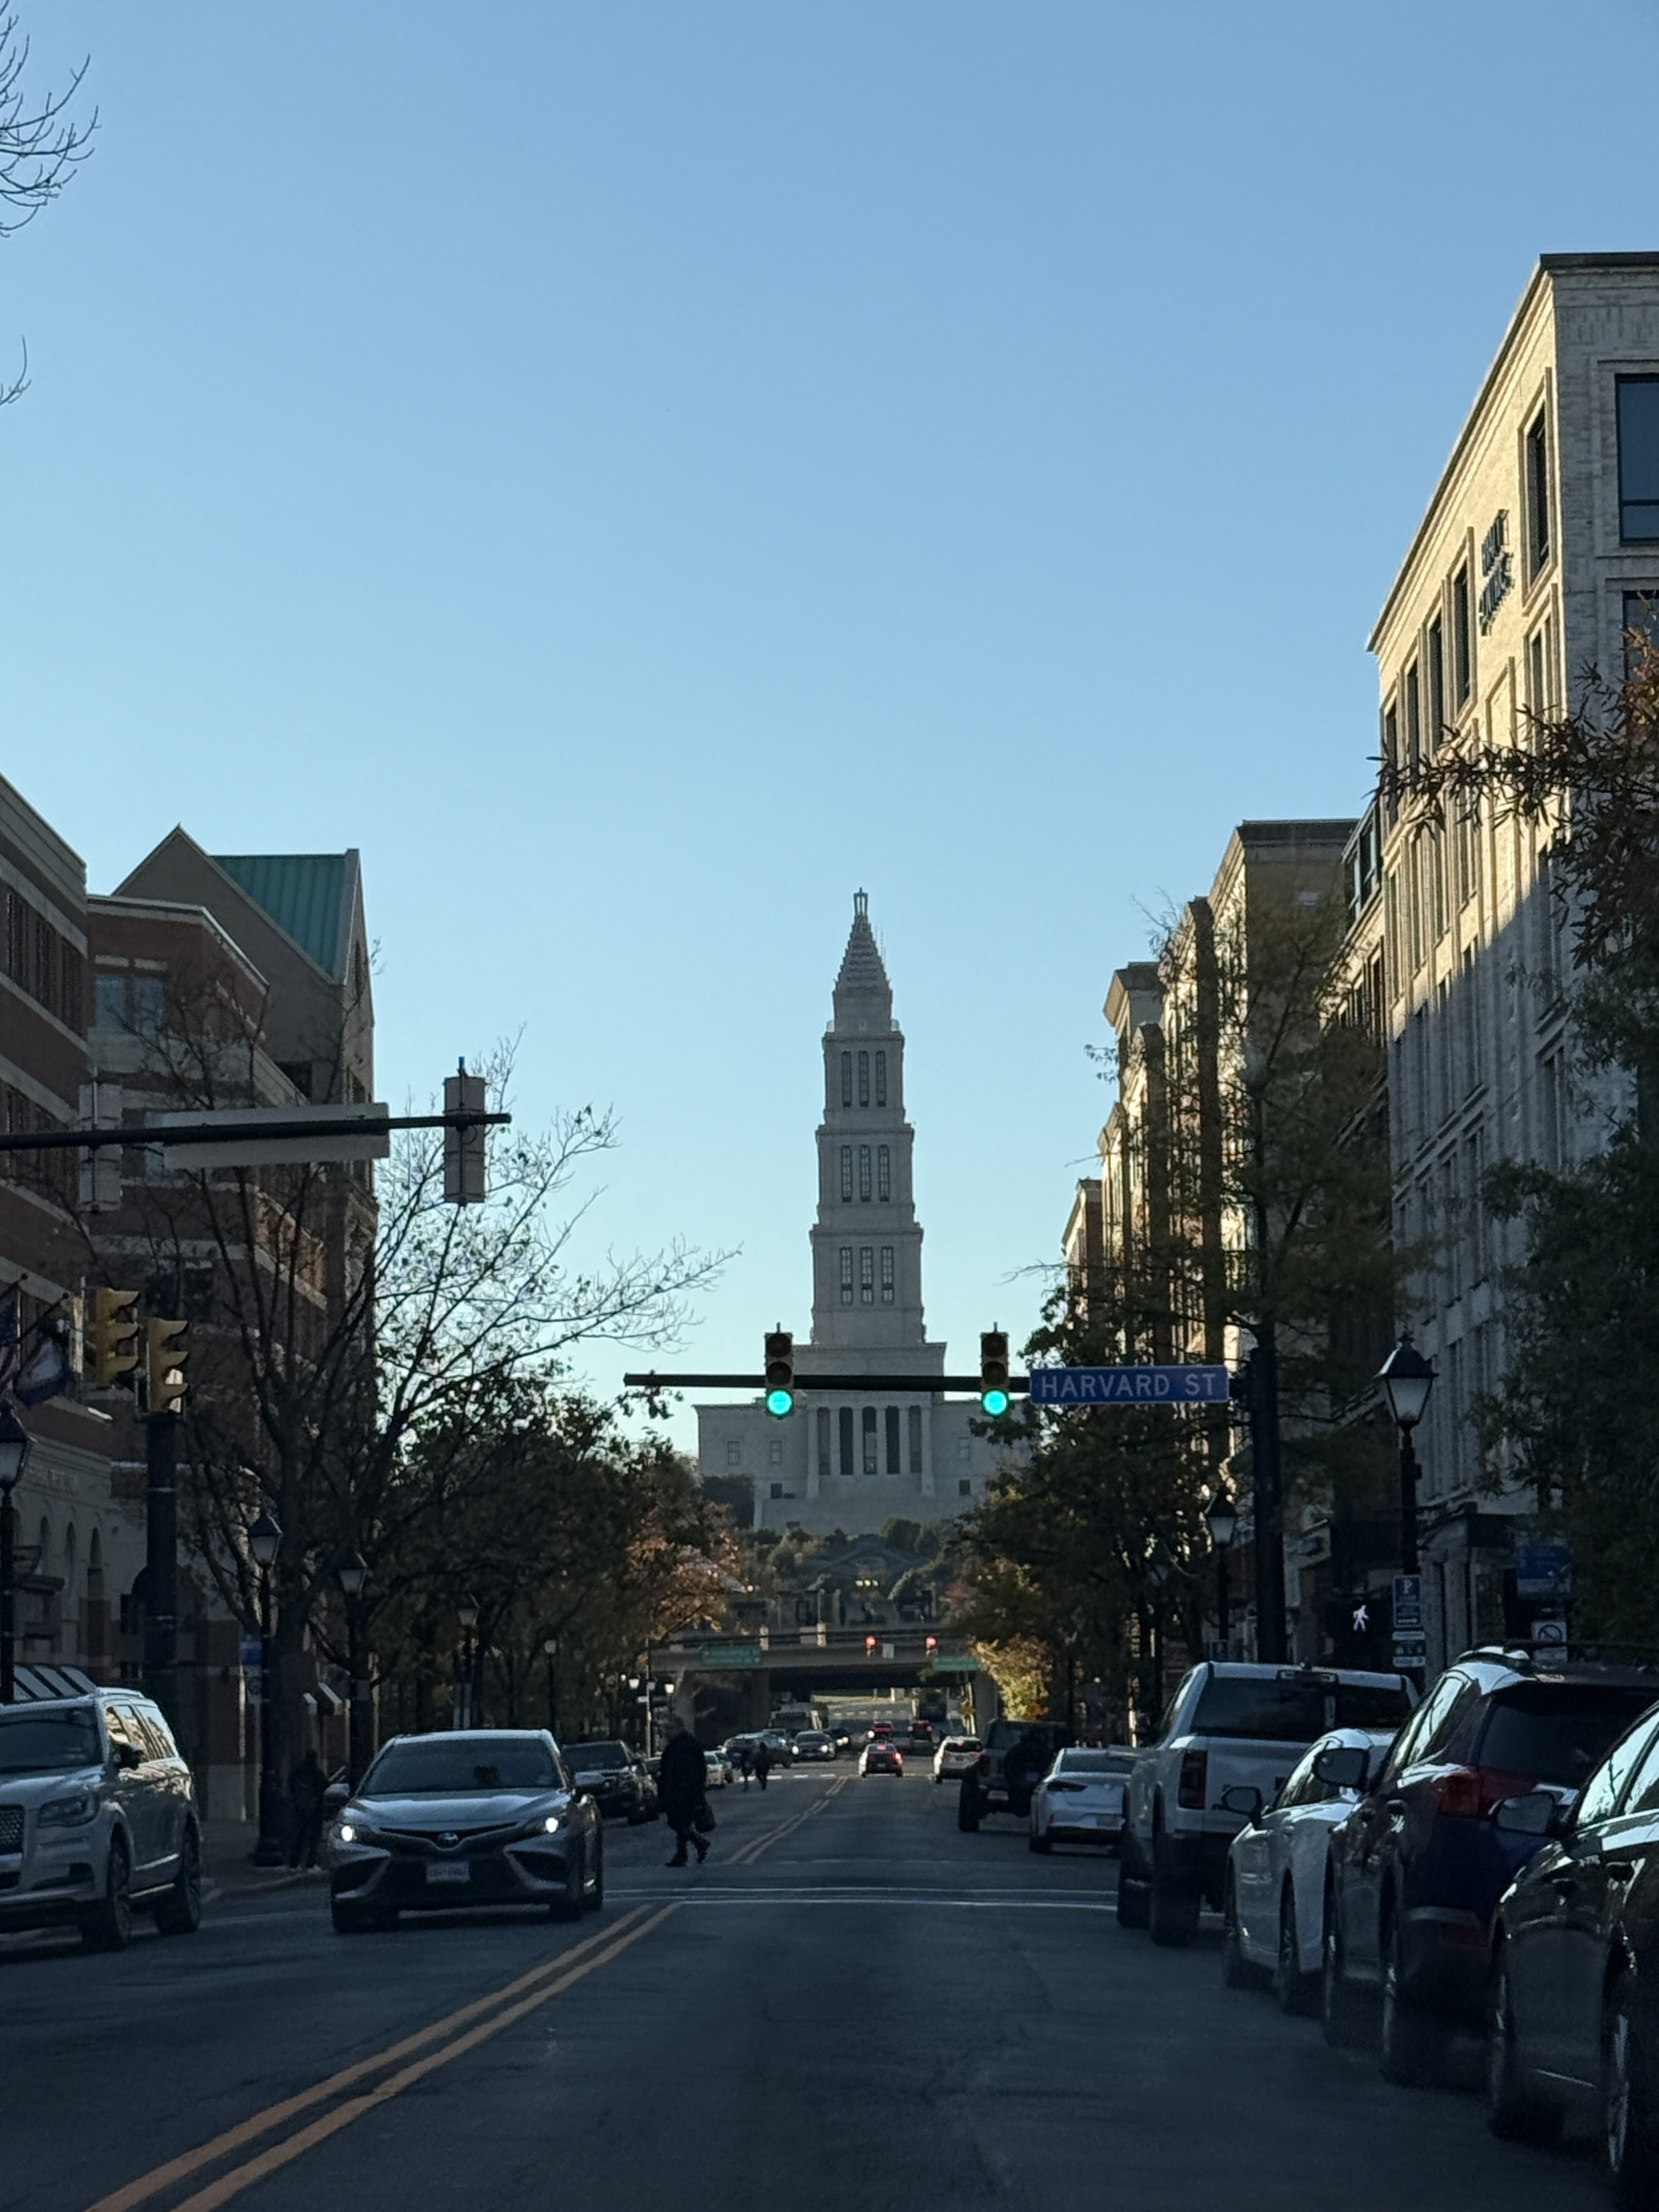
930, 1644
167, 1347
780, 1373
869, 1647
464, 1149
993, 1372
111, 1337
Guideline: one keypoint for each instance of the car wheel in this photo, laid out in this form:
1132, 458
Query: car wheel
1296, 1992
1339, 2007
1516, 2110
1630, 2140
569, 1907
108, 1925
594, 1899
1173, 1909
1409, 2044
179, 1912
1237, 1972
1133, 1900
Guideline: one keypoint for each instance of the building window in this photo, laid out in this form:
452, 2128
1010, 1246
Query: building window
964, 1488
1462, 659
1641, 628
866, 1274
914, 1423
847, 1172
110, 1002
1538, 495
1415, 902
867, 1428
733, 1452
881, 1078
1391, 755
1414, 722
1638, 459
864, 1174
887, 1274
884, 1174
775, 1453
846, 1426
1468, 847
823, 1443
864, 1079
777, 1489
1437, 701
894, 1465
846, 1079
847, 1274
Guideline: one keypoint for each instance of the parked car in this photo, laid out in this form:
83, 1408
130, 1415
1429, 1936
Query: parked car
1016, 1756
1274, 1908
97, 1819
1231, 1724
612, 1776
1082, 1798
1417, 1867
813, 1744
1574, 2027
881, 1756
956, 1755
720, 1771
469, 1817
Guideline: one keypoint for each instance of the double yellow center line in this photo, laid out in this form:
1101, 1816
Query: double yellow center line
452, 2036
746, 1853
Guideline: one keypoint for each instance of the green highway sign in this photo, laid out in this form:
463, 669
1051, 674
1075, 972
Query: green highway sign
955, 1665
730, 1654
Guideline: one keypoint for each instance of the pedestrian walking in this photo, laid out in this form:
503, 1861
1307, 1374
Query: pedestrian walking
682, 1787
305, 1784
745, 1761
763, 1761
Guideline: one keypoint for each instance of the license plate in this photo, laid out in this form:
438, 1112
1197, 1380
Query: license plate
448, 1870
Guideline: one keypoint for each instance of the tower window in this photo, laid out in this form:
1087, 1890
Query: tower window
867, 1274
846, 1079
887, 1274
915, 1425
846, 1172
881, 1078
964, 1489
846, 1425
733, 1452
868, 1427
1537, 484
823, 1443
863, 1173
864, 1079
894, 1465
847, 1274
884, 1173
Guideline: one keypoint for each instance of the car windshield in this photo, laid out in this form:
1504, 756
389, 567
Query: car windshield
596, 1754
49, 1743
447, 1767
1558, 1731
1091, 1762
1296, 1712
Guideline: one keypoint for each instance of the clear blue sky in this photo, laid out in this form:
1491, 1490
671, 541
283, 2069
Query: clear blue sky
641, 472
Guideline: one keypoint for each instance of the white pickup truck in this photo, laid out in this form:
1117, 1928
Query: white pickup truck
1229, 1723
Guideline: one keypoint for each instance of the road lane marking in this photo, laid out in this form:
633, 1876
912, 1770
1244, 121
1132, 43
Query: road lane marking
261, 2124
905, 1897
746, 1853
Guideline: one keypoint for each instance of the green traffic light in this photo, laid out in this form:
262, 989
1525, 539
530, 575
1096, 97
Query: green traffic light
780, 1402
993, 1402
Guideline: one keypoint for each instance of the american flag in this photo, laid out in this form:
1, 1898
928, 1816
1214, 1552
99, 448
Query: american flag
10, 1351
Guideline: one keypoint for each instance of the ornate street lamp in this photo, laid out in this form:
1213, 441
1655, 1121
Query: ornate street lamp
551, 1652
264, 1541
15, 1446
353, 1575
1407, 1379
1222, 1519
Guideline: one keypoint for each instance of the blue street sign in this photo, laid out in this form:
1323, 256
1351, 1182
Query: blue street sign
1408, 1601
1128, 1386
1543, 1570
250, 1653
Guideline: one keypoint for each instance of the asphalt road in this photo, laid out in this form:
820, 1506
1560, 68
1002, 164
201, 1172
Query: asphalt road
851, 2005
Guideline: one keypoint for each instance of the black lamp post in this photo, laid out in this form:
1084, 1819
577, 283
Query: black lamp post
551, 1652
264, 1541
468, 1612
1407, 1379
15, 1442
1222, 1519
353, 1575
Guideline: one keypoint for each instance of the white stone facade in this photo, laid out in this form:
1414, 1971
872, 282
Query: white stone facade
848, 1459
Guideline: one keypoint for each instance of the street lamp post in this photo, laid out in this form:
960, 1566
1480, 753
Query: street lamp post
1407, 1379
353, 1575
551, 1652
14, 1458
1223, 1520
468, 1612
264, 1541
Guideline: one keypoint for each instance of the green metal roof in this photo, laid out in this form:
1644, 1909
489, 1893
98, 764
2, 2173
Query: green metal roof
302, 892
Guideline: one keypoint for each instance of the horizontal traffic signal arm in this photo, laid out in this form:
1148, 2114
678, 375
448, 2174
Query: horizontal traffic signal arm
231, 1131
806, 1384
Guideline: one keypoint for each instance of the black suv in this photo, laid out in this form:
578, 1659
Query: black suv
613, 1777
1414, 1873
1016, 1757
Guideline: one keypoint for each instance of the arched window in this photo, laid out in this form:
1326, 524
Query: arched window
847, 1172
884, 1173
846, 1079
887, 1280
847, 1274
864, 1079
864, 1174
868, 1276
881, 1078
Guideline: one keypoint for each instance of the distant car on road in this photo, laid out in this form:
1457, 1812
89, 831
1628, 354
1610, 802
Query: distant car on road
778, 1744
956, 1755
612, 1775
469, 1817
1082, 1798
881, 1758
1003, 1778
814, 1744
918, 1738
720, 1770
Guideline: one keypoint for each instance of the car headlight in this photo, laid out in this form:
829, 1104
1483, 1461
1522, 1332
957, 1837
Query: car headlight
355, 1830
71, 1812
551, 1824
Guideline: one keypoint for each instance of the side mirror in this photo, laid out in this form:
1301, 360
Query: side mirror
1243, 1799
337, 1797
1342, 1767
1534, 1814
127, 1756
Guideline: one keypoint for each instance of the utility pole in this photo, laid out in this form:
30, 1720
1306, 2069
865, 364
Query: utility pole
1268, 1494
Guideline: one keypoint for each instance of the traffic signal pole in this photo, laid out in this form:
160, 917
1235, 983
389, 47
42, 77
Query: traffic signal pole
161, 1562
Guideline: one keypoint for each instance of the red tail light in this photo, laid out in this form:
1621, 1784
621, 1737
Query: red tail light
1468, 1793
1194, 1775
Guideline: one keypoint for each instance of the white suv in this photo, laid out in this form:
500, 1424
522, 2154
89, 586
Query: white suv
97, 1819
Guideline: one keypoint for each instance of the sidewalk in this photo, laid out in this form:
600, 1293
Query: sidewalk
228, 1846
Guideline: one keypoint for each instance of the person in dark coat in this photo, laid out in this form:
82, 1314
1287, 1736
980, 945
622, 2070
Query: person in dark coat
763, 1761
682, 1782
305, 1784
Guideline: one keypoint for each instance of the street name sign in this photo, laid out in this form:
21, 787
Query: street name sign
730, 1654
1128, 1386
956, 1662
